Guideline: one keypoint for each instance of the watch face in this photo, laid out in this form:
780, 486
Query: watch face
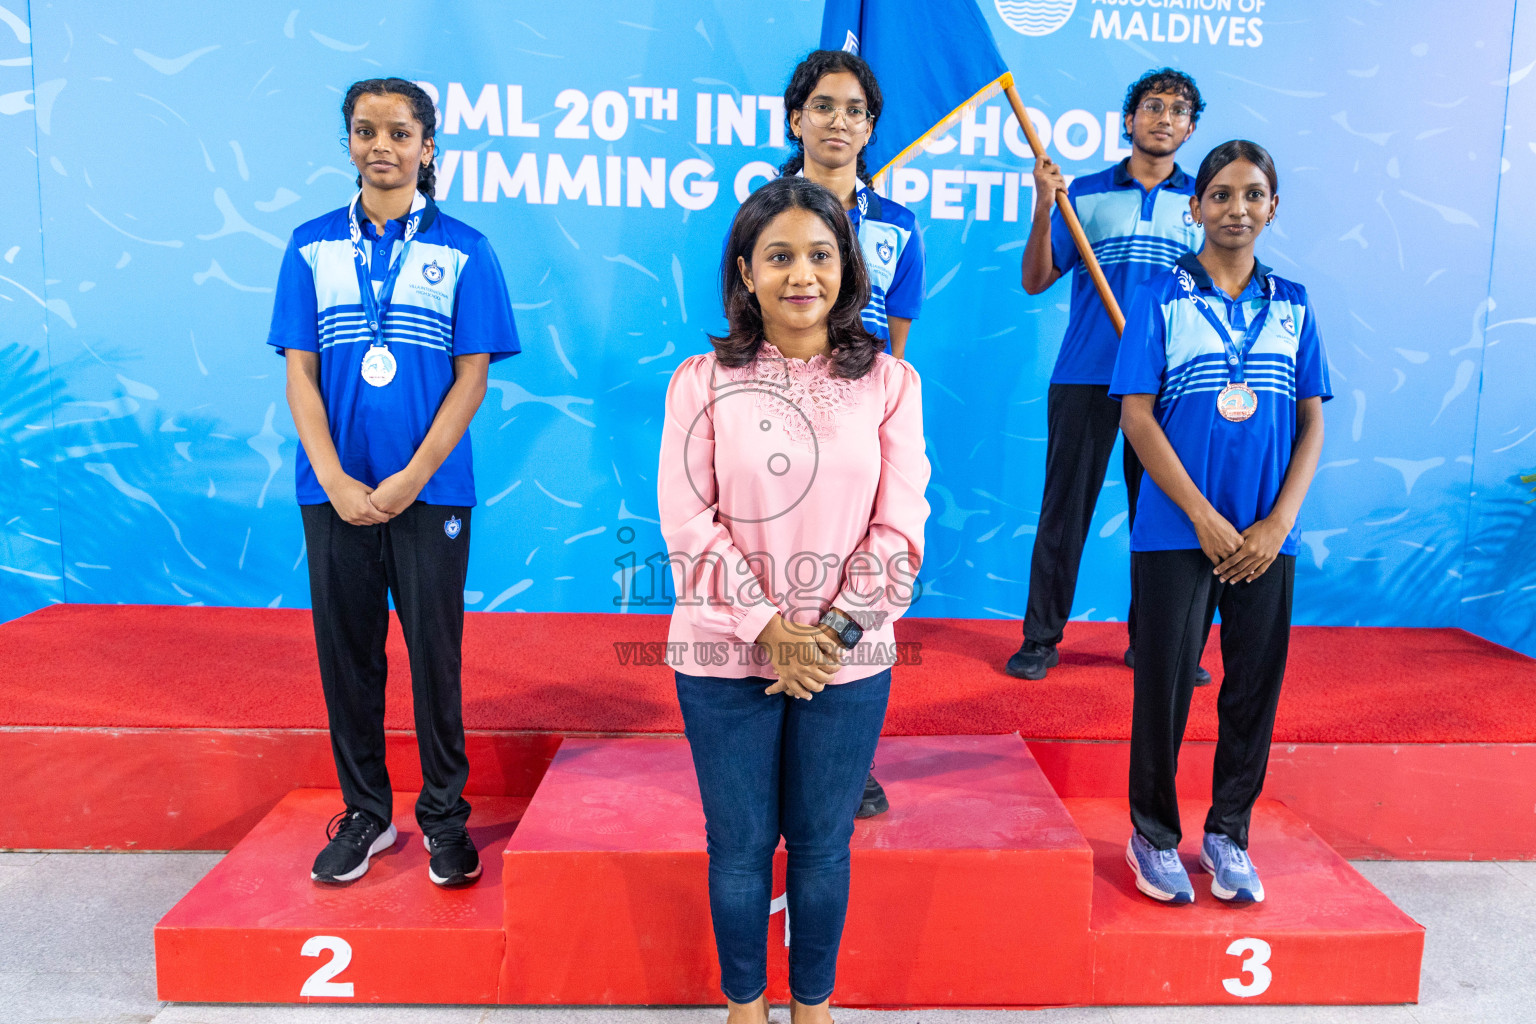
848, 631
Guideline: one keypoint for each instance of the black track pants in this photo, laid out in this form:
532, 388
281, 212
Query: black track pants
420, 557
1177, 598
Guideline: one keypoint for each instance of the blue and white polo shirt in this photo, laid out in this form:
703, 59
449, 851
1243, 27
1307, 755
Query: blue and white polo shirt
450, 300
1170, 350
1135, 234
893, 253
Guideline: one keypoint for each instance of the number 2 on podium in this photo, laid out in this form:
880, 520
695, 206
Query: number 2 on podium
1255, 954
320, 983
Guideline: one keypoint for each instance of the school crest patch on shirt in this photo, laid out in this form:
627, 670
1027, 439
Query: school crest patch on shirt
1289, 323
433, 273
453, 525
886, 251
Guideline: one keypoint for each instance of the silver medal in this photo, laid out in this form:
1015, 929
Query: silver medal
378, 366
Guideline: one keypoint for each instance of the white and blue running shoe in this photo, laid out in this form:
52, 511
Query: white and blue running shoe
1233, 877
1159, 873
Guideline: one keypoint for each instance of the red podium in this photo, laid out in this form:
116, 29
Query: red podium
257, 930
973, 890
979, 888
1322, 935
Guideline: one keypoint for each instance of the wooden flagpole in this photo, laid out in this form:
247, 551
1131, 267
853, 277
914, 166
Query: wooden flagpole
1069, 215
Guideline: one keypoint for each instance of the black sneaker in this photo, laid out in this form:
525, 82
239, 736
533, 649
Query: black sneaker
454, 860
354, 839
1202, 677
874, 801
1032, 660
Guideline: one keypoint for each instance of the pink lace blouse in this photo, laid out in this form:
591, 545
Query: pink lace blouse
785, 489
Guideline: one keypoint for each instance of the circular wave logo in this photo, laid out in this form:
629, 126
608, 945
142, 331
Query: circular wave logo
1035, 17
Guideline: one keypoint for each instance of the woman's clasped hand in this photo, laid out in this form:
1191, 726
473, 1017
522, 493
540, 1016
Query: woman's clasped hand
805, 657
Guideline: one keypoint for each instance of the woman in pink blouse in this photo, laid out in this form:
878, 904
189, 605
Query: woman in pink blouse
791, 495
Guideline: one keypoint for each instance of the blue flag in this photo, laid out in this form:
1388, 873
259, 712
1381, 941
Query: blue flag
935, 60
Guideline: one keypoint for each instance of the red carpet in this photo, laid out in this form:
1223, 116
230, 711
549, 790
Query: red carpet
240, 668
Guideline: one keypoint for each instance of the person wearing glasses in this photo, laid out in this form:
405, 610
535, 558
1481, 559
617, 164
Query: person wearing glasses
1137, 217
831, 103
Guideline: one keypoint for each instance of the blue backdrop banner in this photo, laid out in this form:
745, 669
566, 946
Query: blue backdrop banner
157, 159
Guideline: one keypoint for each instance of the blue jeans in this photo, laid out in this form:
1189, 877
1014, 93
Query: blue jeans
772, 766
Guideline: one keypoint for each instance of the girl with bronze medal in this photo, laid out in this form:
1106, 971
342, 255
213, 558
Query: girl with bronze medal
1221, 377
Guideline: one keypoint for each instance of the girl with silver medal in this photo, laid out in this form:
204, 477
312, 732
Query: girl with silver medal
378, 364
384, 475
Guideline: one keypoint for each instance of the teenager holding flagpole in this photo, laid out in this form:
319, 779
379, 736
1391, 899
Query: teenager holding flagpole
1136, 217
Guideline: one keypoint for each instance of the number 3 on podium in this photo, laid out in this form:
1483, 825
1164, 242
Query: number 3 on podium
1255, 954
320, 983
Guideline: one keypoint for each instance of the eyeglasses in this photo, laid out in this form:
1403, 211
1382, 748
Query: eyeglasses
1179, 111
823, 114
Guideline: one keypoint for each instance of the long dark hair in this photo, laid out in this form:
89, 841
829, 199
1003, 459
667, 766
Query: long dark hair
803, 82
852, 347
421, 109
1231, 153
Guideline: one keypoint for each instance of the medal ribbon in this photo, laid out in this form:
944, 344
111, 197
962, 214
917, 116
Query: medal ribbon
375, 308
1237, 351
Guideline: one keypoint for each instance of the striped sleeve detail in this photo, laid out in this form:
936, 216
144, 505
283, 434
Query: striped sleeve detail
1161, 252
874, 312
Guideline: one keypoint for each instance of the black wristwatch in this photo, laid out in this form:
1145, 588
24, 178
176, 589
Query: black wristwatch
848, 632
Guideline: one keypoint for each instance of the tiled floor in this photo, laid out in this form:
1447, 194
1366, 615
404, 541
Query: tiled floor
75, 946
